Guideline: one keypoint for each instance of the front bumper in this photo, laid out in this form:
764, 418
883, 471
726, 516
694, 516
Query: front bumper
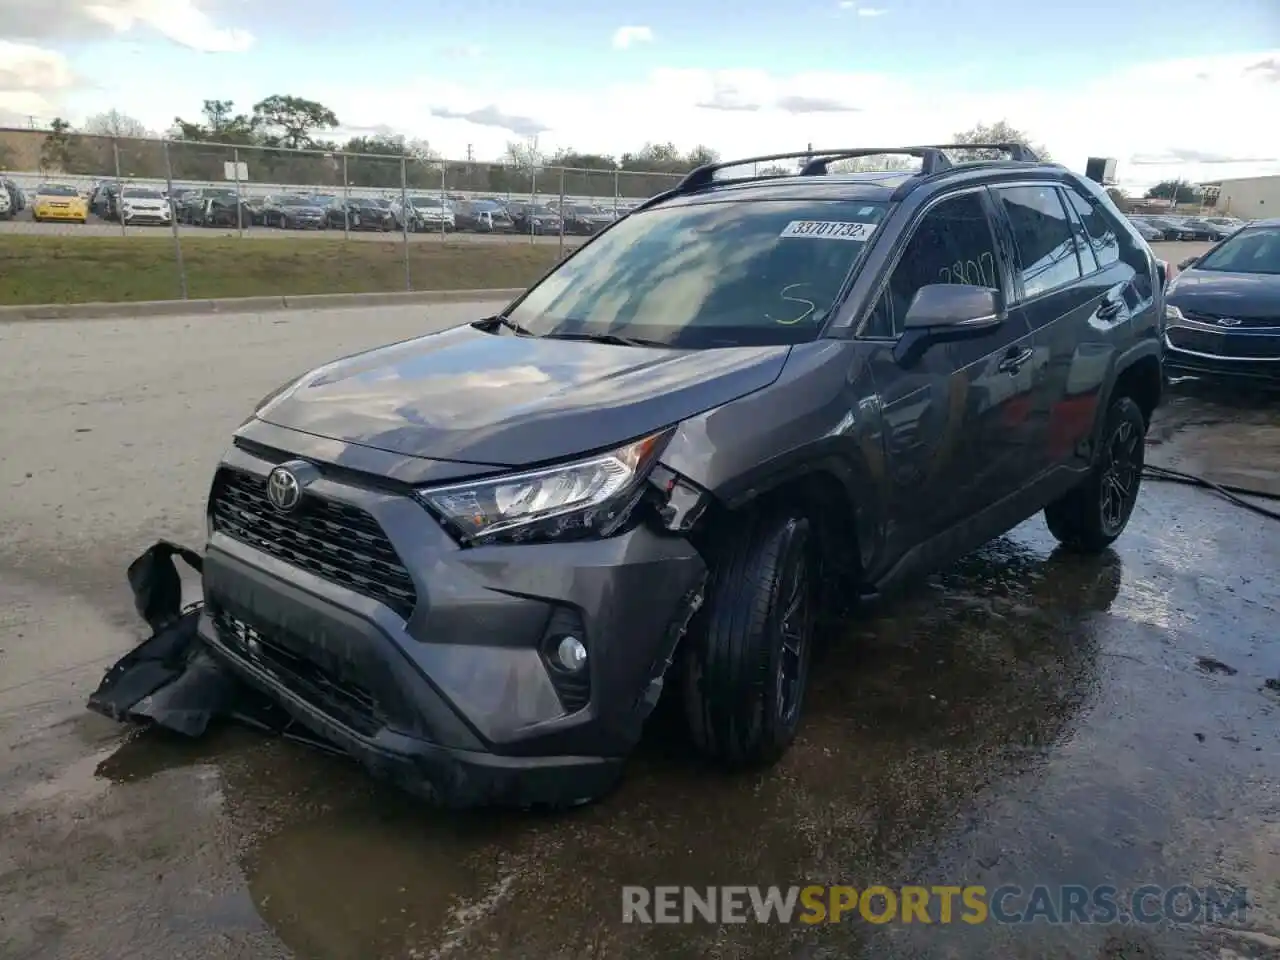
61, 213
456, 701
1236, 356
147, 216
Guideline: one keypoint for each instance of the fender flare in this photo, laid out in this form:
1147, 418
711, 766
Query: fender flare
832, 457
1122, 362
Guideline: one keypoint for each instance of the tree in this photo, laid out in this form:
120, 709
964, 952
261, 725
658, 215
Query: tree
290, 121
525, 155
113, 123
576, 160
221, 125
1119, 198
57, 153
1175, 191
998, 132
888, 161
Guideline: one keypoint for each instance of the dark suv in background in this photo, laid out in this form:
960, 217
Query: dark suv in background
474, 559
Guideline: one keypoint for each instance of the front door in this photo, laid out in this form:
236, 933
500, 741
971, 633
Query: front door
955, 421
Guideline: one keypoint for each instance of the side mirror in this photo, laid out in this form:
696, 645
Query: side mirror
941, 312
954, 306
1188, 263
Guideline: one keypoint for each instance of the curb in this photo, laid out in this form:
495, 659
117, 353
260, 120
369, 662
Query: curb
309, 301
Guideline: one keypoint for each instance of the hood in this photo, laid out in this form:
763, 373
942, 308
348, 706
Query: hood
306, 211
145, 203
1227, 294
465, 395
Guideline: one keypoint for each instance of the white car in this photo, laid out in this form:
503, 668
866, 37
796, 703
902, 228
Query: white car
428, 214
142, 205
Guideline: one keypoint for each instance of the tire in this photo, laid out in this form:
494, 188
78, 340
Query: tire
746, 659
1091, 516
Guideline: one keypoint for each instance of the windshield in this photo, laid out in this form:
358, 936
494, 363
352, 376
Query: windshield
1249, 251
56, 190
708, 275
583, 210
296, 202
143, 195
433, 202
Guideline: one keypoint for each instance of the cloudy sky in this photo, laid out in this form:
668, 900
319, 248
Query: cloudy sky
1168, 87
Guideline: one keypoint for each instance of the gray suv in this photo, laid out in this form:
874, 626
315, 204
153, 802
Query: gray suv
474, 559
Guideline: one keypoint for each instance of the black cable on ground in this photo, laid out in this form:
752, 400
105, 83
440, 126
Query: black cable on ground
1231, 492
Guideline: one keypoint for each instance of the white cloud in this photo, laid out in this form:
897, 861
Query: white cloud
179, 20
1124, 114
872, 11
32, 82
624, 37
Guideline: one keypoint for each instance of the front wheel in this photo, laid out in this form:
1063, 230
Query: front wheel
746, 659
1092, 515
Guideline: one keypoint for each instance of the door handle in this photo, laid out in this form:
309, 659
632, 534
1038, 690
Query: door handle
1014, 359
1109, 308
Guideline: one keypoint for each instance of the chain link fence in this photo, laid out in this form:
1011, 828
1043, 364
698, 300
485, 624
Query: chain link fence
220, 191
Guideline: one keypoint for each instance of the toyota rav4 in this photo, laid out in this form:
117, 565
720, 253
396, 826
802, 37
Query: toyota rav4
474, 558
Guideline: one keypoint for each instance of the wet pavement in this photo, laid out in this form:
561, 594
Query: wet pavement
1024, 718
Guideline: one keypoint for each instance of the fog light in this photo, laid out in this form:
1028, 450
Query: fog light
572, 654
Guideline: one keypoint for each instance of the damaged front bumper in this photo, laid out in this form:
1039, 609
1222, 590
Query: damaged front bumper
438, 671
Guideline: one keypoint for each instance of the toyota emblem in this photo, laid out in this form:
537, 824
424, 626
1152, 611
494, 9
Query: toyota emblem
283, 489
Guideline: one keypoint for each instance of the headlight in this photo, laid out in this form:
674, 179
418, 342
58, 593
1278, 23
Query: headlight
1172, 315
591, 497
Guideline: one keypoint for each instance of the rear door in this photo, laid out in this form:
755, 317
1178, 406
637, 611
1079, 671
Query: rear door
1070, 286
955, 436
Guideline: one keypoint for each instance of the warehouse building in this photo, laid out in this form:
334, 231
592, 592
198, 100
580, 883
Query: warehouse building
1249, 198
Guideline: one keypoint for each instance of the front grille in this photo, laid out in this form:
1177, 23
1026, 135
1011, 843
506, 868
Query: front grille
1213, 318
335, 541
1234, 346
278, 654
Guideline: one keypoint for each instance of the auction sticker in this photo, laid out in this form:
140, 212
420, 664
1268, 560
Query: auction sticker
829, 229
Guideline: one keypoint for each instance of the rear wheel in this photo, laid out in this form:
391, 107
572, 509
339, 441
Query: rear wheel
746, 662
1091, 516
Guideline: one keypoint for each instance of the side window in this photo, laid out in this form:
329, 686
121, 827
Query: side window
1103, 240
952, 244
1046, 245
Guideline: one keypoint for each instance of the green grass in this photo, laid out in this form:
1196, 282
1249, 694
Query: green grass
35, 269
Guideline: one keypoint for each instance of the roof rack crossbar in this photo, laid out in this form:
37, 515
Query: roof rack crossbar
931, 159
1018, 152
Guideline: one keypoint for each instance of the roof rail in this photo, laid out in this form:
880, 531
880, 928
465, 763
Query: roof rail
932, 160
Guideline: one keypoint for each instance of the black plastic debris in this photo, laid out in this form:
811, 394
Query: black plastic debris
170, 680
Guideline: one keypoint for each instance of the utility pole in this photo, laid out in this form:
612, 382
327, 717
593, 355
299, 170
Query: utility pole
470, 154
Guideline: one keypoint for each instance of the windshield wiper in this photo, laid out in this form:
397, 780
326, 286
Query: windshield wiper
615, 338
513, 326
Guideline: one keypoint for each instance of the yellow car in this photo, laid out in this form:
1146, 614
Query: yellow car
58, 201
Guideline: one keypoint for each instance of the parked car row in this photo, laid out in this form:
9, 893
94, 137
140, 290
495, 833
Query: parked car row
137, 205
1212, 229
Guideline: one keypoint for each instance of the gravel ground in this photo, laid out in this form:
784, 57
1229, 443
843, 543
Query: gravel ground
1024, 718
